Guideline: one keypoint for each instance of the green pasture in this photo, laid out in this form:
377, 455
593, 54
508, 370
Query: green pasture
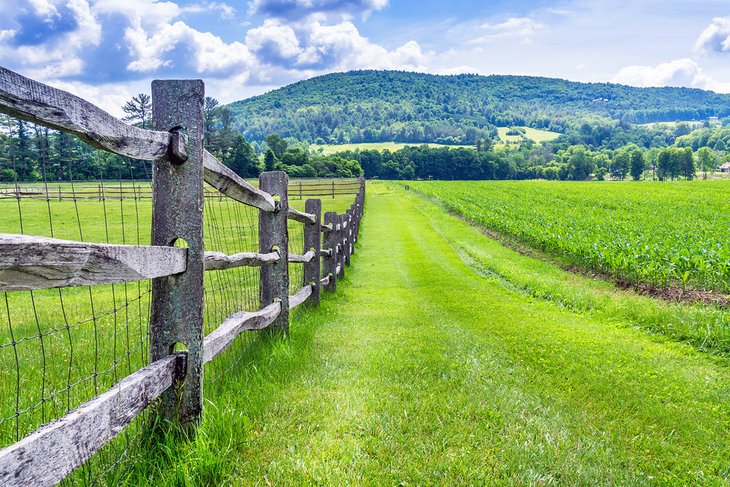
536, 135
445, 358
328, 149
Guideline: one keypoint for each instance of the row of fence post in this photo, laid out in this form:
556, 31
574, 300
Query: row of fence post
176, 320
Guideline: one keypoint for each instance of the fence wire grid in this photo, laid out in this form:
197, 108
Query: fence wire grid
62, 347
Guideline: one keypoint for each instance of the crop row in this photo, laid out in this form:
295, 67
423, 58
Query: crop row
650, 233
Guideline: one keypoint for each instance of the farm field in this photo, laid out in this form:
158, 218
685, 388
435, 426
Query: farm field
530, 133
659, 234
379, 146
447, 358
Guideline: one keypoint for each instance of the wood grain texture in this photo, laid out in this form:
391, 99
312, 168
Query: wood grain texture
330, 243
221, 338
218, 261
300, 216
177, 213
38, 103
274, 235
297, 258
50, 453
300, 297
313, 243
28, 263
232, 185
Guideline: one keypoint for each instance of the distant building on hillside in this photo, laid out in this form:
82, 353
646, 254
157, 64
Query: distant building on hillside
725, 167
714, 120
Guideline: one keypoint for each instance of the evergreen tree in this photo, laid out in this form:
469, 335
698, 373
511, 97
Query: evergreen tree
139, 110
270, 161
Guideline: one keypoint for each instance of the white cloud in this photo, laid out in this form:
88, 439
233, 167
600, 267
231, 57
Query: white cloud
274, 39
226, 12
180, 43
297, 9
523, 28
680, 72
716, 37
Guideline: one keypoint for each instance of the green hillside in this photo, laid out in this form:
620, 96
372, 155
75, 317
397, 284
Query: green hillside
395, 106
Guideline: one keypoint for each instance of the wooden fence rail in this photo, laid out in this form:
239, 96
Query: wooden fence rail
174, 380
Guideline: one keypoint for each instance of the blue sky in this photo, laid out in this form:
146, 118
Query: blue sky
109, 50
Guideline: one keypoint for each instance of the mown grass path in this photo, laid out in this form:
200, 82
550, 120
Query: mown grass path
422, 371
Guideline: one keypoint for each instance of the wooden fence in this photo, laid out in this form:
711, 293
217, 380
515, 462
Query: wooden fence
97, 191
174, 379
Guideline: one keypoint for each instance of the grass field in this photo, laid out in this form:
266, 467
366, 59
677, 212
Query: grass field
445, 358
379, 146
532, 134
660, 234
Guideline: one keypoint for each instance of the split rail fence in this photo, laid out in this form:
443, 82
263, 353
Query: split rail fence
176, 262
97, 191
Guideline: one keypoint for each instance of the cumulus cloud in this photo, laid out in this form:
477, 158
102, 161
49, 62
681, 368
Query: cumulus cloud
297, 9
716, 37
680, 73
316, 45
82, 45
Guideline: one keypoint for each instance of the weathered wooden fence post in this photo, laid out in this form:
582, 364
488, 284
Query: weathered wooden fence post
330, 242
274, 235
313, 242
347, 230
177, 219
341, 244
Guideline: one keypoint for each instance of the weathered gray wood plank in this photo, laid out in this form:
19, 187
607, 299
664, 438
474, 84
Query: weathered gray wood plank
176, 317
309, 255
28, 263
330, 249
36, 102
313, 243
300, 216
218, 261
274, 235
300, 297
220, 338
50, 453
232, 185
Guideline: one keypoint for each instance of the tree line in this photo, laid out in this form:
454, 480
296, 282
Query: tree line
535, 161
30, 152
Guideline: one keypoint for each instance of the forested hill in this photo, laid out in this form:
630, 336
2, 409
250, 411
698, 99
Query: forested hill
376, 106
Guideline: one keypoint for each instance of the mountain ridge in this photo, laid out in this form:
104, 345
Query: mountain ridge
404, 106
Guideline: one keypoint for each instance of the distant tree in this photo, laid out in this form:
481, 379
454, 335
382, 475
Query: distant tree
620, 164
664, 161
243, 159
638, 163
580, 163
277, 145
707, 159
138, 110
270, 160
211, 109
689, 169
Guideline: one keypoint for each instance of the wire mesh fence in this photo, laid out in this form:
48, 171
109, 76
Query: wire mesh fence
62, 347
